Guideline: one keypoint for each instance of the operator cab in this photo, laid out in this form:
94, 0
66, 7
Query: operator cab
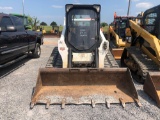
151, 21
83, 25
121, 24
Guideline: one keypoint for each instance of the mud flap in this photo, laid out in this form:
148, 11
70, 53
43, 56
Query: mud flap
152, 86
84, 86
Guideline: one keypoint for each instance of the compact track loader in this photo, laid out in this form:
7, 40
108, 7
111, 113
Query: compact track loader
142, 52
82, 70
117, 34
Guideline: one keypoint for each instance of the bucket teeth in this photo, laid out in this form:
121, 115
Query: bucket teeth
93, 103
32, 105
122, 102
47, 105
138, 103
108, 104
63, 103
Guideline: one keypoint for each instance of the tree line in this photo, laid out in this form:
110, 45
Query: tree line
33, 21
52, 23
103, 24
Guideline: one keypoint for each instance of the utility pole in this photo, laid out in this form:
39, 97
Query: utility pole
129, 2
23, 6
23, 12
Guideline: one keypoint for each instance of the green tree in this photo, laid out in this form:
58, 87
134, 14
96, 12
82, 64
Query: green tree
111, 24
43, 23
30, 21
53, 24
103, 24
33, 21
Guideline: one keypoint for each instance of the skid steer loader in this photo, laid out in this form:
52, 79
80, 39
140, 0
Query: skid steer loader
117, 34
142, 52
82, 70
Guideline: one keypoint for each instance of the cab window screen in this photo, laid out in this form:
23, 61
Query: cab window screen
150, 22
123, 25
150, 19
82, 25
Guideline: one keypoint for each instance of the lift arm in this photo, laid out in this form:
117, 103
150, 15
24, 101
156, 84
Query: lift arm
151, 39
118, 41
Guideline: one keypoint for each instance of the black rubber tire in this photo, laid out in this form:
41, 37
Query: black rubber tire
57, 62
36, 53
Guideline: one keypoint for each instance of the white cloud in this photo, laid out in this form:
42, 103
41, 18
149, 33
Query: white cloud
145, 5
57, 6
6, 8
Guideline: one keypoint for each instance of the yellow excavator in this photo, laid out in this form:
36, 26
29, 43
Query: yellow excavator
82, 70
117, 34
142, 51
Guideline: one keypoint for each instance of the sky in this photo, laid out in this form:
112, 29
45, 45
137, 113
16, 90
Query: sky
54, 10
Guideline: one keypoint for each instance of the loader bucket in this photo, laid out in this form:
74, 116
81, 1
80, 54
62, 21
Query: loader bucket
152, 86
84, 86
117, 53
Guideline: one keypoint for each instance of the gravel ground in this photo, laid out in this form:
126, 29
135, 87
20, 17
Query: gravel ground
18, 80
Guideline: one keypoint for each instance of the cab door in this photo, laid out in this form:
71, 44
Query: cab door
21, 44
82, 29
150, 22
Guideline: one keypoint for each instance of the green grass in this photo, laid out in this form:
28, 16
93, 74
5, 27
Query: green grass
60, 28
47, 28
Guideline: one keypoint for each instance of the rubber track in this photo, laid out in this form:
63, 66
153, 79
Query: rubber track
145, 64
56, 61
109, 61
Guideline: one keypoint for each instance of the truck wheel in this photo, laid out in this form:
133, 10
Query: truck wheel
37, 51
